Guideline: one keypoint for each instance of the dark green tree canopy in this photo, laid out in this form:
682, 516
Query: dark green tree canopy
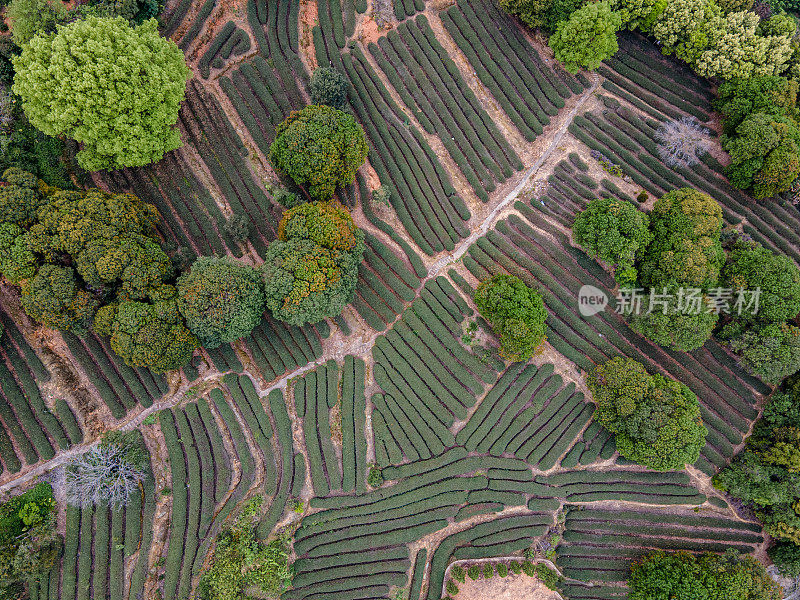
751, 266
674, 328
55, 298
739, 98
685, 250
771, 352
614, 231
221, 300
684, 576
656, 420
328, 86
327, 224
516, 313
319, 147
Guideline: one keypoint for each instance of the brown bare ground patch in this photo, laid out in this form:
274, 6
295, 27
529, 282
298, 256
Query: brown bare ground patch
513, 587
308, 19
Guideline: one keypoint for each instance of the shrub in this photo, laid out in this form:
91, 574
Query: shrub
547, 576
284, 197
529, 568
516, 567
685, 250
320, 147
238, 228
375, 478
131, 127
771, 352
614, 231
656, 421
588, 37
458, 573
488, 571
221, 300
502, 570
681, 142
530, 12
661, 576
110, 472
328, 86
451, 587
474, 572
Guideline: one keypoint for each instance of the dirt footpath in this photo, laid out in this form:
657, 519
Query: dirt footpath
513, 587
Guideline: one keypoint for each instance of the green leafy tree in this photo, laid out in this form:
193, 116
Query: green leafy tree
614, 231
739, 98
29, 18
516, 313
764, 474
752, 267
656, 421
680, 575
54, 297
148, 335
327, 224
683, 28
786, 557
588, 37
17, 262
764, 151
682, 328
686, 249
530, 12
771, 352
328, 86
639, 14
305, 282
319, 147
559, 11
113, 88
20, 197
221, 300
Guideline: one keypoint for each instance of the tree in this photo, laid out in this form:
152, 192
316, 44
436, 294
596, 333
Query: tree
737, 99
771, 352
764, 474
685, 250
677, 327
17, 262
110, 472
530, 12
588, 37
656, 421
752, 267
327, 224
328, 86
682, 142
683, 28
221, 300
113, 88
319, 147
559, 11
786, 557
54, 297
639, 14
19, 197
515, 312
680, 575
29, 541
148, 335
29, 18
305, 283
614, 231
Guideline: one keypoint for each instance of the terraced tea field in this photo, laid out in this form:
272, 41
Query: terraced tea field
487, 143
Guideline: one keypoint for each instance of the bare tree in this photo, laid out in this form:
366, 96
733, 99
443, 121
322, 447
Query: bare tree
681, 142
102, 474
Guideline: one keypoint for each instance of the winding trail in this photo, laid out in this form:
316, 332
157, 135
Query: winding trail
359, 346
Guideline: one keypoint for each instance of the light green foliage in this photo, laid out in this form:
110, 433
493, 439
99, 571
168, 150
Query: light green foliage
656, 421
17, 262
54, 297
685, 250
588, 37
319, 147
148, 335
751, 266
674, 327
764, 474
20, 198
764, 153
221, 300
614, 231
240, 561
311, 271
662, 576
683, 28
729, 6
530, 12
29, 18
772, 352
114, 88
639, 14
28, 539
516, 314
328, 86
